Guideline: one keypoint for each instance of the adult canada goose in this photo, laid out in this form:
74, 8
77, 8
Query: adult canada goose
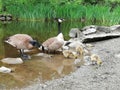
54, 43
22, 42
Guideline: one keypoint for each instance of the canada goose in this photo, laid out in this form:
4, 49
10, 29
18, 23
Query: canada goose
54, 43
70, 54
78, 52
73, 44
22, 42
96, 59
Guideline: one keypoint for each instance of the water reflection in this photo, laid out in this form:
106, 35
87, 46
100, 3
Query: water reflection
44, 68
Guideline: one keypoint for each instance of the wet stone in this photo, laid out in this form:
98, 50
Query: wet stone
12, 60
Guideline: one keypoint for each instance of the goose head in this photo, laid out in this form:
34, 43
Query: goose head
35, 43
59, 20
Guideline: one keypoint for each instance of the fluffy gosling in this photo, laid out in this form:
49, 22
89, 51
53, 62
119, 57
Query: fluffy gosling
96, 59
70, 54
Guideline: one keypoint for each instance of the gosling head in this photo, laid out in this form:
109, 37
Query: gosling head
80, 50
96, 59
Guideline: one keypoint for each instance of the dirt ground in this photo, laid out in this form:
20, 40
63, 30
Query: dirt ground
105, 77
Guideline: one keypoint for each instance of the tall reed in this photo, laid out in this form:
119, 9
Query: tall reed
97, 13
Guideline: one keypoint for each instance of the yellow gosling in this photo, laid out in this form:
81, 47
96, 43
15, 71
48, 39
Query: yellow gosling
80, 51
70, 54
95, 58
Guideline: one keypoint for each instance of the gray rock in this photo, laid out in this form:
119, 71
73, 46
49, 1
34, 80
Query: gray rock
5, 69
117, 55
89, 29
12, 60
76, 33
92, 29
115, 27
100, 37
103, 29
97, 33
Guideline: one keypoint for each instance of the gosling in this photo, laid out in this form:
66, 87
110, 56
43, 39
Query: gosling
96, 59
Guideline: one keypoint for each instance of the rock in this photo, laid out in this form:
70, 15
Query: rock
76, 33
93, 33
73, 32
5, 69
95, 29
77, 61
43, 55
97, 33
117, 55
89, 29
12, 60
89, 47
103, 29
115, 27
99, 37
87, 61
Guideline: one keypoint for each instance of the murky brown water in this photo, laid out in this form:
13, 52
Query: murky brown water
43, 68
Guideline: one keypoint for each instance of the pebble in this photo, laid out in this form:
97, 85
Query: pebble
117, 55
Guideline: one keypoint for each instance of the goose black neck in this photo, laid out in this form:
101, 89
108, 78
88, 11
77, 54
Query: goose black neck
59, 27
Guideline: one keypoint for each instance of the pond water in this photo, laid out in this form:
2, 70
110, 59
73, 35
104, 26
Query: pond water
39, 67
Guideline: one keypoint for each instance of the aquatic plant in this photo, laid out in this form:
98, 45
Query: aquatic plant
71, 11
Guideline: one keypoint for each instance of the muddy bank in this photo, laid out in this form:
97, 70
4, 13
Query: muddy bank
105, 77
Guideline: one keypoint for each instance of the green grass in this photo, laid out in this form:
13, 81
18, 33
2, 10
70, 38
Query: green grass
41, 11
